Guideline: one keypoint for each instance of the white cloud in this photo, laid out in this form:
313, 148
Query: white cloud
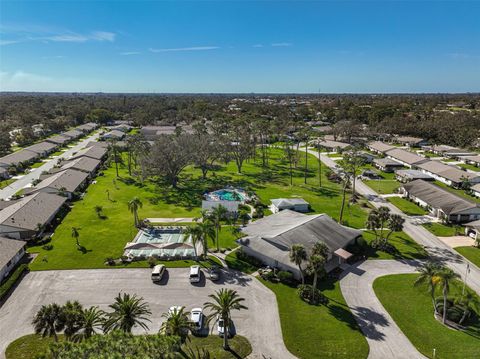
103, 36
21, 80
53, 57
66, 38
194, 48
257, 45
281, 44
128, 53
8, 42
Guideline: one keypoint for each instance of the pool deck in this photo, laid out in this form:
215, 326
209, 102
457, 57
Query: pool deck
171, 220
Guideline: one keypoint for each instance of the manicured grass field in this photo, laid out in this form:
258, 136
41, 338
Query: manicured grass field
29, 346
6, 182
312, 332
407, 207
471, 253
226, 238
442, 230
383, 186
414, 315
468, 166
406, 247
37, 164
107, 237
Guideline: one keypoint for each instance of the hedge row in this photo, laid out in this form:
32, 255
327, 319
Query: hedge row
10, 282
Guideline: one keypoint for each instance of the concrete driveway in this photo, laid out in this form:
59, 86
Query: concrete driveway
384, 337
260, 323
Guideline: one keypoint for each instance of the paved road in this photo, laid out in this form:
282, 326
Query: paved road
36, 172
260, 323
384, 337
432, 244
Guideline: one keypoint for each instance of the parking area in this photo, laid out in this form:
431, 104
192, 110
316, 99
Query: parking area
260, 323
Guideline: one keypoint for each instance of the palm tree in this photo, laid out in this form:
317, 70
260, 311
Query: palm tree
72, 317
48, 321
223, 302
92, 319
128, 312
298, 254
428, 275
394, 224
316, 266
320, 249
98, 211
133, 206
217, 214
470, 302
76, 235
346, 181
176, 323
446, 276
193, 232
207, 230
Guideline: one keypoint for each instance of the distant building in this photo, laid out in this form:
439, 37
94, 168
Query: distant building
114, 134
231, 206
407, 158
379, 147
294, 204
11, 251
405, 176
449, 175
409, 141
387, 164
43, 149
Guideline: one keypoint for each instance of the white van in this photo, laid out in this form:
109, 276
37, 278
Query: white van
195, 274
157, 272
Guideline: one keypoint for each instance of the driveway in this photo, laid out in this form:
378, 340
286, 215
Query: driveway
35, 173
260, 323
384, 337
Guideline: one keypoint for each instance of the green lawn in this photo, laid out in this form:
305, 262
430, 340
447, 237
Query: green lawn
234, 263
442, 230
458, 192
406, 247
6, 182
468, 166
383, 186
407, 207
226, 238
105, 238
37, 164
415, 318
312, 332
471, 253
29, 346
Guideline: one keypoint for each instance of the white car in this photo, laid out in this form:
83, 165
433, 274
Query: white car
197, 317
221, 328
195, 274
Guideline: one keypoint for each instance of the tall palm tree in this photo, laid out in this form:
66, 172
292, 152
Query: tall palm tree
176, 323
446, 276
469, 302
207, 230
92, 320
133, 205
48, 321
298, 254
428, 275
128, 312
193, 232
316, 266
218, 214
223, 302
76, 235
72, 317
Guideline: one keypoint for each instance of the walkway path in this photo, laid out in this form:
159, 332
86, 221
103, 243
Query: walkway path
384, 337
35, 173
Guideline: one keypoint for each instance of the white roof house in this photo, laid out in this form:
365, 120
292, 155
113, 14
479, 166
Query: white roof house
231, 206
294, 204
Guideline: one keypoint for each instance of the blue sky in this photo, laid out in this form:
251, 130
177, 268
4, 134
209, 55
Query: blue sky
247, 46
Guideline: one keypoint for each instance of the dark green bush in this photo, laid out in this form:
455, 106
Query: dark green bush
310, 295
12, 279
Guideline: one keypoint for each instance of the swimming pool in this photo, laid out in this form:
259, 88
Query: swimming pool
227, 194
161, 242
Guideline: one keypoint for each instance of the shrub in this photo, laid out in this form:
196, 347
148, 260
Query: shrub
246, 258
383, 246
47, 247
314, 297
12, 279
152, 261
222, 250
285, 277
110, 261
270, 276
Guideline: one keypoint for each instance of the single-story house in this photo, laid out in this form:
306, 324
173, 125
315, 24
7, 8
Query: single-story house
476, 190
472, 229
294, 204
11, 251
21, 219
441, 203
447, 174
114, 134
405, 176
121, 127
73, 134
87, 127
58, 140
379, 147
83, 164
98, 143
409, 141
387, 164
407, 158
94, 151
367, 157
270, 239
42, 149
231, 206
66, 182
448, 151
473, 160
332, 146
19, 158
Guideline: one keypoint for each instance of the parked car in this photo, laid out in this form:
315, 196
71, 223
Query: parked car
221, 328
157, 272
197, 317
214, 273
195, 274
